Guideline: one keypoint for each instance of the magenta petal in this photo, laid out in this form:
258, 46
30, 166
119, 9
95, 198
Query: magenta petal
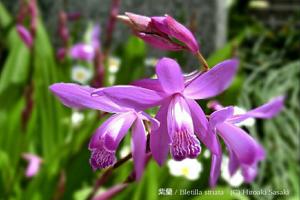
233, 163
249, 172
95, 140
25, 35
207, 136
213, 82
131, 96
220, 116
139, 147
265, 111
216, 161
76, 96
117, 129
174, 29
159, 138
169, 75
181, 33
141, 23
151, 84
83, 52
154, 122
159, 42
242, 144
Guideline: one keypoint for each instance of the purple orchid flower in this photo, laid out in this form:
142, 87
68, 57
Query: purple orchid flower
34, 163
25, 35
179, 115
244, 151
108, 136
162, 32
87, 51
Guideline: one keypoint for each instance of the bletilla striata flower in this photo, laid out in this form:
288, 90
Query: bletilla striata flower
244, 151
34, 163
105, 141
87, 51
162, 32
179, 115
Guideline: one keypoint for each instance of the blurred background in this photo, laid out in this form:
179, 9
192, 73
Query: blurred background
34, 125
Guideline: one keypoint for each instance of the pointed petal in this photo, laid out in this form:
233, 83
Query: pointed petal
76, 96
139, 147
151, 84
117, 129
213, 82
216, 161
159, 42
220, 116
131, 96
169, 75
242, 144
265, 111
159, 138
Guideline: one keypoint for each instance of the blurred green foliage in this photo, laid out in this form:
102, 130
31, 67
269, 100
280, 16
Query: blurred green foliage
269, 67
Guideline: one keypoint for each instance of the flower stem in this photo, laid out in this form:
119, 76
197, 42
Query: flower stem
107, 174
202, 61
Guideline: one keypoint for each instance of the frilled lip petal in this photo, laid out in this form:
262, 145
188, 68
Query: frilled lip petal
265, 111
131, 96
174, 29
169, 75
139, 147
159, 138
83, 52
76, 96
159, 42
213, 82
247, 150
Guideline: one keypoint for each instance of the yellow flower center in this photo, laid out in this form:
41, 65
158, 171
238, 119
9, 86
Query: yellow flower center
185, 171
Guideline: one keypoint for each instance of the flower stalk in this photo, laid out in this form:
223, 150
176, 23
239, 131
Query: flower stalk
202, 60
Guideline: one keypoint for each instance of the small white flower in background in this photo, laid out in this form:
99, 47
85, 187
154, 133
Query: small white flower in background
239, 111
113, 67
81, 74
150, 62
125, 150
188, 168
77, 118
206, 153
236, 180
259, 4
113, 64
